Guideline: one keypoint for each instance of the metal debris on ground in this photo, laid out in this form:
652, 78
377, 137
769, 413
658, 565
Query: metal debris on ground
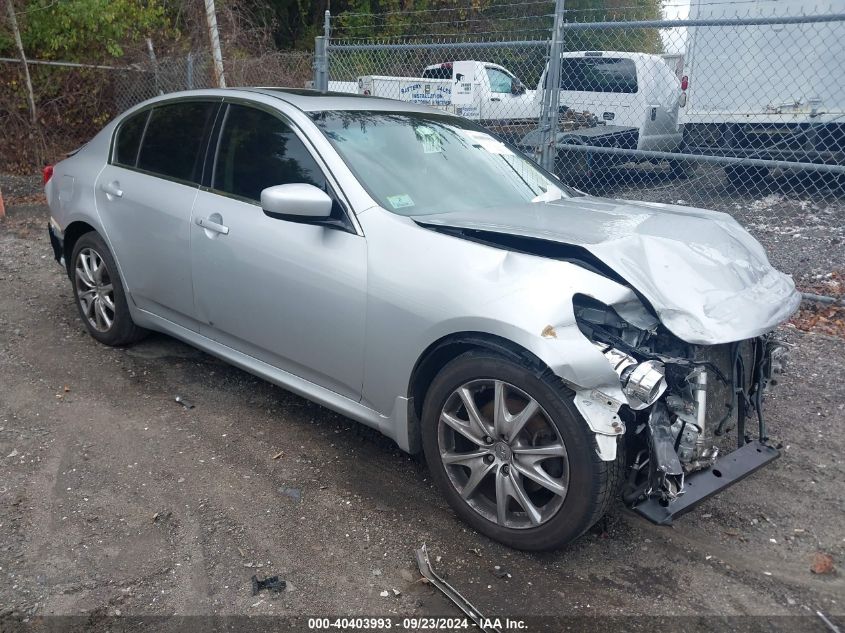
450, 592
183, 402
278, 455
829, 624
475, 551
271, 583
161, 516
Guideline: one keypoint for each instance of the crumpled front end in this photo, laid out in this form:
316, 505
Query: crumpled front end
693, 413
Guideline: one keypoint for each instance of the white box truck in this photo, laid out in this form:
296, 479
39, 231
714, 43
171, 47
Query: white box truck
764, 91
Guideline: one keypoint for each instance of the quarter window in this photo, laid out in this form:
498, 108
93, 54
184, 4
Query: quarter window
129, 139
258, 150
173, 143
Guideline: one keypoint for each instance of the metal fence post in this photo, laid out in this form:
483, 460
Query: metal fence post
551, 92
321, 55
321, 74
189, 79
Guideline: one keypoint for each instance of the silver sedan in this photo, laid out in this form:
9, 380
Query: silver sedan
549, 351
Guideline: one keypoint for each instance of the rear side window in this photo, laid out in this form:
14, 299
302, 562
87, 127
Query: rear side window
598, 74
257, 150
173, 143
129, 139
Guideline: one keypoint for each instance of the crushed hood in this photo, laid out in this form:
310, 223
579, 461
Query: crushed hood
707, 279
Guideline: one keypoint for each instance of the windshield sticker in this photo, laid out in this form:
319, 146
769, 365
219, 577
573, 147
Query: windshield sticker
429, 138
487, 142
400, 201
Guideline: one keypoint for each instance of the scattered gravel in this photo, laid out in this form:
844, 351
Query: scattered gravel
115, 500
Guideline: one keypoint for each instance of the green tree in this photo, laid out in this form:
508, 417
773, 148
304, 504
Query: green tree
88, 30
622, 39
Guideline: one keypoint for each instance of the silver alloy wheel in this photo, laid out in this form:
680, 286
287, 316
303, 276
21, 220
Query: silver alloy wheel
502, 453
94, 289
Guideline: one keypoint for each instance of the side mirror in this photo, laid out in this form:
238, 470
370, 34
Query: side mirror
517, 87
296, 202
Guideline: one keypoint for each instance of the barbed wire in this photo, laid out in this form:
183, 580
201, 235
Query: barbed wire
358, 27
818, 8
442, 9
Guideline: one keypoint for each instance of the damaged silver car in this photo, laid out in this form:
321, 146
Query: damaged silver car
549, 351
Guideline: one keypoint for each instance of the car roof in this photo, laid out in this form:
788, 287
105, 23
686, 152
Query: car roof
299, 98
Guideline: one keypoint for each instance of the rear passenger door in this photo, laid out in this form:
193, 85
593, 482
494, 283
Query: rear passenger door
144, 197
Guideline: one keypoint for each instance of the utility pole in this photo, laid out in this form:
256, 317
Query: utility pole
211, 18
14, 22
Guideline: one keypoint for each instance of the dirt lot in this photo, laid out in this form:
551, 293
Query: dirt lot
114, 499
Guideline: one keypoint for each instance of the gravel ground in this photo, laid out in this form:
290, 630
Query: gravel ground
116, 500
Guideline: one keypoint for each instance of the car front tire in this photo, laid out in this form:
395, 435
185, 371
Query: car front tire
512, 455
99, 295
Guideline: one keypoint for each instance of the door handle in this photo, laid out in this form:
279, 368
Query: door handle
495, 99
112, 188
212, 226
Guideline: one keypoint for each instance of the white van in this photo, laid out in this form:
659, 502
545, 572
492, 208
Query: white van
758, 91
625, 90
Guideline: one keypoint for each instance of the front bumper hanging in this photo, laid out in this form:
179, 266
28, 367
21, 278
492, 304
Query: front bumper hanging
701, 485
672, 488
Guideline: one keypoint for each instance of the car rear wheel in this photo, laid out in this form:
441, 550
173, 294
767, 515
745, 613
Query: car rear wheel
512, 455
99, 294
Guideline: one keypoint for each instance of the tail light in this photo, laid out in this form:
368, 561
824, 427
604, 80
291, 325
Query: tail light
47, 172
684, 82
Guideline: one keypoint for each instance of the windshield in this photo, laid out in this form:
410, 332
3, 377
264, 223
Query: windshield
420, 164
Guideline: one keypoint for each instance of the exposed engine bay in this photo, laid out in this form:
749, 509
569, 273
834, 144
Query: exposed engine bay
687, 405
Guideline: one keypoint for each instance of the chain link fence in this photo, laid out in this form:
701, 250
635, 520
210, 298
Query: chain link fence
74, 101
744, 96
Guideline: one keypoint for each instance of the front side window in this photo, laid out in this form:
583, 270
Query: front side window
598, 74
417, 164
258, 150
129, 139
173, 143
499, 81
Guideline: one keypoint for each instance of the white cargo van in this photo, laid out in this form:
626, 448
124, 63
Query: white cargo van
772, 91
624, 90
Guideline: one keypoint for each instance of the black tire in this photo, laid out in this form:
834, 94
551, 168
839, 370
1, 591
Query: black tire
122, 330
593, 484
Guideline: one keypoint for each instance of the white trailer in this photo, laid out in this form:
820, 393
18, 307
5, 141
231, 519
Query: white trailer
764, 91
